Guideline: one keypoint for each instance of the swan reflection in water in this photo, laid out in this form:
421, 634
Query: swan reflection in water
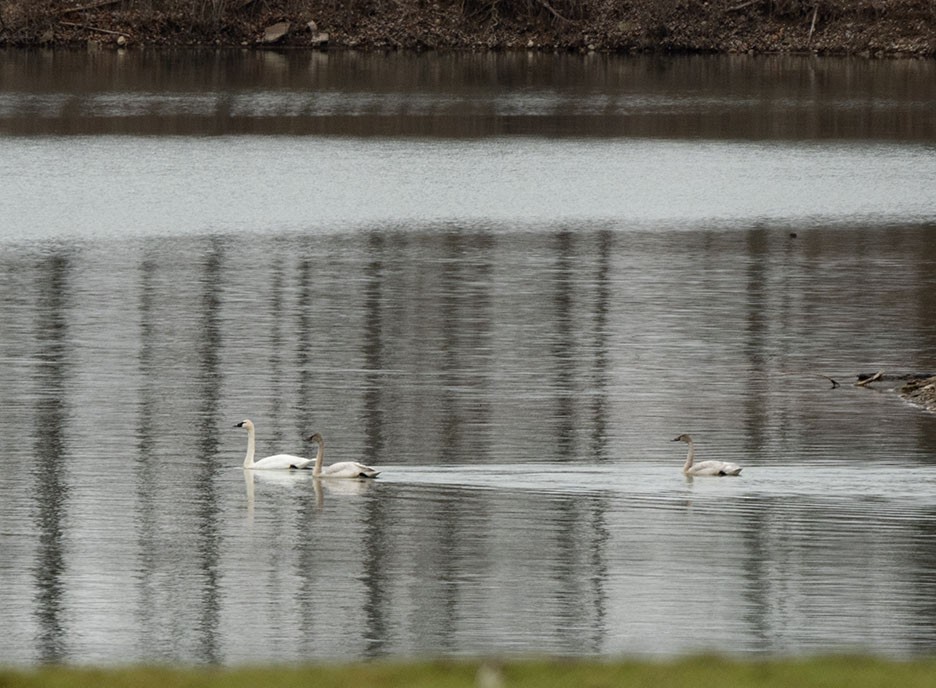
278, 481
292, 480
690, 468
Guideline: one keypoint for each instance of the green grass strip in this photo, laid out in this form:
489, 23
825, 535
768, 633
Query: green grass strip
700, 672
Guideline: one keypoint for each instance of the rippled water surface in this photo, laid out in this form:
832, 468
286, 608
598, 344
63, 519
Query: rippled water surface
507, 283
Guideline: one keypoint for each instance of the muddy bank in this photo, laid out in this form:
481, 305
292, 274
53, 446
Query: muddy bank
920, 392
917, 388
848, 27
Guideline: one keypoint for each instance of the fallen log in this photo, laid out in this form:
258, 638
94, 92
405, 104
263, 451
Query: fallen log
96, 29
736, 8
812, 27
92, 6
864, 381
891, 377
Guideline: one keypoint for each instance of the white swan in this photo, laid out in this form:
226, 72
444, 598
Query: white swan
343, 469
705, 467
277, 461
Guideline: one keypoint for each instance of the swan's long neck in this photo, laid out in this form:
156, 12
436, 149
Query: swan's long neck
690, 457
319, 458
251, 447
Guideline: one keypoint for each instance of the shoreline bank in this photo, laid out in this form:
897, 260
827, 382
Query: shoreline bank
921, 392
882, 28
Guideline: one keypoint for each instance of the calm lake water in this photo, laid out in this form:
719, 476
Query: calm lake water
506, 281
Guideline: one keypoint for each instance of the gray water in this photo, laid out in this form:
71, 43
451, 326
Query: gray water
507, 282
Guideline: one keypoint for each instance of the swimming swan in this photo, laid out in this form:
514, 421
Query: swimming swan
343, 469
705, 467
277, 461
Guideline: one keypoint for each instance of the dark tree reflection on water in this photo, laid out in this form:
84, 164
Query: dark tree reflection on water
53, 274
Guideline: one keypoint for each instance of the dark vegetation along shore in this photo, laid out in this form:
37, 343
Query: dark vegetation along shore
873, 28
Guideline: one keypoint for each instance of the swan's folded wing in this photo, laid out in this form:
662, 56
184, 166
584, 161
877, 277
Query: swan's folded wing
706, 468
713, 467
349, 469
367, 471
282, 461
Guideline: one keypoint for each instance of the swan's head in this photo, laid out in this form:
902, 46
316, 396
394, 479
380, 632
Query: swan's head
246, 424
315, 437
683, 438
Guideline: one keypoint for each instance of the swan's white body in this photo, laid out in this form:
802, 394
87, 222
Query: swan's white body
342, 469
705, 467
275, 462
